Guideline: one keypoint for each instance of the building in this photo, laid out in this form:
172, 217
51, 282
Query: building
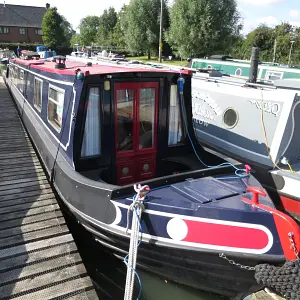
21, 24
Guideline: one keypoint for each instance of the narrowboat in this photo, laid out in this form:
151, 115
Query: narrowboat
267, 71
99, 129
255, 123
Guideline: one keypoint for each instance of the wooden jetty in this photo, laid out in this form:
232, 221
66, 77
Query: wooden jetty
38, 256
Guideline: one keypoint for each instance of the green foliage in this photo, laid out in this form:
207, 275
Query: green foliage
107, 23
68, 32
140, 23
56, 29
75, 40
264, 37
88, 30
203, 27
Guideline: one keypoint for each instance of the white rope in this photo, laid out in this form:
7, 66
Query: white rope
137, 208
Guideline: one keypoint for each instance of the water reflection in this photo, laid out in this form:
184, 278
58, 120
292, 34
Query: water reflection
109, 273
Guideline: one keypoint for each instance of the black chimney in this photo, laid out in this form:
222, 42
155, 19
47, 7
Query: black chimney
61, 64
254, 65
47, 5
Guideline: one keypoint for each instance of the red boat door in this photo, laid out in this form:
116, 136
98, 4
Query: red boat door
136, 107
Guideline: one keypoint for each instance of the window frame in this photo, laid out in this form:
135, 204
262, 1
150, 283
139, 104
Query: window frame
21, 79
60, 90
39, 32
86, 103
183, 131
276, 73
41, 94
4, 30
21, 30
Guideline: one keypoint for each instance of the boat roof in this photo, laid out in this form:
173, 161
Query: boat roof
94, 69
223, 59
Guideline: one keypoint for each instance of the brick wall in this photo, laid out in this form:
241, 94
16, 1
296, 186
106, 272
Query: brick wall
14, 36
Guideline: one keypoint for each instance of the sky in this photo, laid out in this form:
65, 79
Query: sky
253, 12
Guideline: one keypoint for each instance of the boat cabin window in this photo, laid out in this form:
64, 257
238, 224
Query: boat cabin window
38, 93
175, 123
21, 80
147, 117
91, 144
55, 107
125, 116
270, 75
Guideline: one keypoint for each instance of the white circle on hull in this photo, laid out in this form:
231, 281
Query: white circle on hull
118, 215
177, 229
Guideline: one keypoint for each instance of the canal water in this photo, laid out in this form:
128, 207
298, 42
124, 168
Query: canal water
108, 274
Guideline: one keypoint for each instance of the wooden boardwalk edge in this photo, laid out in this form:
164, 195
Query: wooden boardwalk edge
38, 256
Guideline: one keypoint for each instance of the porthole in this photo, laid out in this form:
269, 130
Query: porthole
238, 72
125, 171
230, 117
146, 167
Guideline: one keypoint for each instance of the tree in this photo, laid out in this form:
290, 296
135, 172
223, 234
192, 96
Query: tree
262, 37
53, 29
68, 32
75, 40
119, 30
141, 25
107, 23
203, 27
88, 29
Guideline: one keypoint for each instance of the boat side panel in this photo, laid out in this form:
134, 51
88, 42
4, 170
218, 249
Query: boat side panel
90, 197
246, 138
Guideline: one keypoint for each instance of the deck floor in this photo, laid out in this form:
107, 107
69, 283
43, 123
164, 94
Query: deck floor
38, 256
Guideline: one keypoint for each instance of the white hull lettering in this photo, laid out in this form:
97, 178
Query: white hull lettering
268, 107
200, 122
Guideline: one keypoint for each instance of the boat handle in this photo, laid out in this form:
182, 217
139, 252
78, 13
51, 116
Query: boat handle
255, 193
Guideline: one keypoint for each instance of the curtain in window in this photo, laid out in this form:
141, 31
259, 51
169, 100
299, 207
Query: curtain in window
91, 144
175, 132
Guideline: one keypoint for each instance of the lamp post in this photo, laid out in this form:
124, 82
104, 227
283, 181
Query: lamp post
292, 43
274, 51
160, 31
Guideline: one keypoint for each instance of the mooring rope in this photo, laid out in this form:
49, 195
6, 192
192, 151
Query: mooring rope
137, 208
284, 280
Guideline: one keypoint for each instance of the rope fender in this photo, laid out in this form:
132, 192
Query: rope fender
284, 280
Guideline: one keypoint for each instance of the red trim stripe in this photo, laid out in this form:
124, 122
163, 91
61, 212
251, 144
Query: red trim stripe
284, 225
226, 235
290, 205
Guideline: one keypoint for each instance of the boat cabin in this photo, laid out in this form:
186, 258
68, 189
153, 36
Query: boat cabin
118, 124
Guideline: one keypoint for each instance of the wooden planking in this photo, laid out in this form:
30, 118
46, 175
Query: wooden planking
38, 257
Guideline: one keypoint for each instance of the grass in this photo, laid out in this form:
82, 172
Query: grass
174, 62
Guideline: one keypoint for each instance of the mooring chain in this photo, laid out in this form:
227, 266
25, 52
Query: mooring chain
293, 245
232, 262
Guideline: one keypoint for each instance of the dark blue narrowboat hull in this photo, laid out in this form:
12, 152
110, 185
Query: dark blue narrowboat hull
182, 238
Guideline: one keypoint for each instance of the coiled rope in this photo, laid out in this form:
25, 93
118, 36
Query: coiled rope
284, 280
137, 208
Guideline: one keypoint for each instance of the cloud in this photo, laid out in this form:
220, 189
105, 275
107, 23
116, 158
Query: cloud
250, 25
294, 13
260, 2
269, 21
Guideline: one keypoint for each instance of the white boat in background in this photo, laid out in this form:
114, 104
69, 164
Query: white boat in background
257, 124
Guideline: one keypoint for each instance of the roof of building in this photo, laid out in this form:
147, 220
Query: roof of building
21, 16
72, 66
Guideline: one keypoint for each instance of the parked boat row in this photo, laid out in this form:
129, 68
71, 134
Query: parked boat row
100, 129
267, 71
